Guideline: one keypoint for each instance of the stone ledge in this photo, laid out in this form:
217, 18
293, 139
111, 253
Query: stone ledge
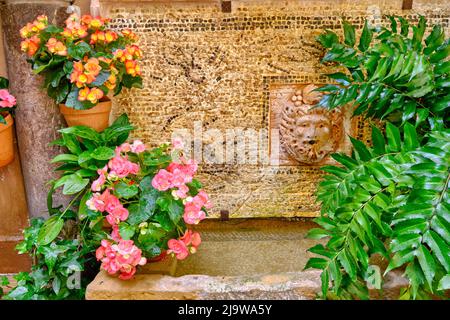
300, 285
287, 286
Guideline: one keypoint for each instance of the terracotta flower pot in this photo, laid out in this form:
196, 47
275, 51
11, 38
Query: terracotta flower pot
6, 142
97, 117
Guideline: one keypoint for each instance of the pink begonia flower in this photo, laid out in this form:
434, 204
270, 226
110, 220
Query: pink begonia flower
124, 147
196, 239
138, 146
122, 167
98, 184
109, 203
191, 239
162, 181
181, 192
115, 235
6, 99
112, 203
190, 166
179, 178
193, 214
98, 201
122, 257
202, 200
118, 214
106, 254
178, 248
177, 143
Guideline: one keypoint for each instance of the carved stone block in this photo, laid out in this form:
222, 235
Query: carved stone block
308, 135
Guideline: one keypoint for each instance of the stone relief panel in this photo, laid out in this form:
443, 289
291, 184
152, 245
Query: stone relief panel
307, 134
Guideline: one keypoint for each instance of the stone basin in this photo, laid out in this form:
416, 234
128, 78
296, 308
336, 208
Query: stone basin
238, 259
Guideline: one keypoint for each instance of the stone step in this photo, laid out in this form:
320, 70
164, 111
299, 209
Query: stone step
302, 285
236, 260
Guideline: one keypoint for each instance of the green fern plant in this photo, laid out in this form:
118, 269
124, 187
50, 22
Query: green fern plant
390, 73
391, 199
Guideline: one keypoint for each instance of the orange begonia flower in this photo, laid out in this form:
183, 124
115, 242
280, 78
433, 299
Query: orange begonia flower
30, 46
111, 82
56, 47
94, 95
92, 67
83, 93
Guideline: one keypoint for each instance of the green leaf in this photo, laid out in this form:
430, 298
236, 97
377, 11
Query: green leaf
444, 283
416, 277
65, 158
126, 191
340, 78
418, 32
361, 150
366, 38
176, 211
321, 250
132, 82
143, 210
146, 184
73, 102
20, 293
404, 26
393, 137
151, 237
427, 264
439, 248
74, 183
126, 231
316, 263
53, 29
410, 137
349, 33
399, 259
378, 141
327, 39
409, 241
345, 160
103, 153
317, 233
71, 143
40, 66
50, 230
4, 83
325, 282
409, 111
422, 114
348, 263
79, 50
441, 227
83, 209
82, 132
336, 274
101, 78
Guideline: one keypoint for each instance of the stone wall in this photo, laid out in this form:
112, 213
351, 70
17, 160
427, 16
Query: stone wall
202, 64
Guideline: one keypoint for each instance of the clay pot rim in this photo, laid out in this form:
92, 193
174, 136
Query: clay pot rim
9, 122
104, 106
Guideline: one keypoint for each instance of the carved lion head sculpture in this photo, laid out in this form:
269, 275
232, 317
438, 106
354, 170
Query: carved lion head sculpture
310, 134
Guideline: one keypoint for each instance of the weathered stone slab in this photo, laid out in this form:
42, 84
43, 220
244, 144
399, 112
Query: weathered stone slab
205, 69
38, 118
